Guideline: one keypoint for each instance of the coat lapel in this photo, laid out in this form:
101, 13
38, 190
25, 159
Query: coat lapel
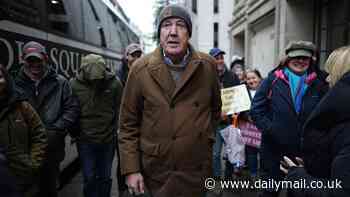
160, 73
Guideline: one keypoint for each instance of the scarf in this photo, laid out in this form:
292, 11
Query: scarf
297, 86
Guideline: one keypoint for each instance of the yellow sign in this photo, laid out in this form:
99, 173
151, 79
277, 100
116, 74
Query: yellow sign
235, 99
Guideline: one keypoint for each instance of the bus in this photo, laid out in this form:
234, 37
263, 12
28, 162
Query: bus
69, 29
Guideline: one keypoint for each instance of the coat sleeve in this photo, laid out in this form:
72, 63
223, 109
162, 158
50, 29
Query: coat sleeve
260, 106
216, 102
24, 163
118, 98
130, 119
71, 109
38, 137
339, 182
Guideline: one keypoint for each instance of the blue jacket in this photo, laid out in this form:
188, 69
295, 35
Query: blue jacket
274, 114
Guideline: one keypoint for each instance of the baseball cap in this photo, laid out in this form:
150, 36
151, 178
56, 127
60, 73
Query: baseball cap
216, 51
34, 49
132, 48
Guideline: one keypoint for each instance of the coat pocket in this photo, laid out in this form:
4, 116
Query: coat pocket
153, 165
149, 148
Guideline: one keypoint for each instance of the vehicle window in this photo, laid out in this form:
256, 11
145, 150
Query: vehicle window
65, 16
114, 39
23, 11
91, 22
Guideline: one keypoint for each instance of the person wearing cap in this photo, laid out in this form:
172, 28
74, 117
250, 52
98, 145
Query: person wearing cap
281, 106
51, 96
99, 94
226, 80
132, 53
326, 137
170, 106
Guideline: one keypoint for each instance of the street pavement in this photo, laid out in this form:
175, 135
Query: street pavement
74, 188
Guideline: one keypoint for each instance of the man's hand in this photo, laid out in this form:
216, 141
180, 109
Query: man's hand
135, 183
287, 163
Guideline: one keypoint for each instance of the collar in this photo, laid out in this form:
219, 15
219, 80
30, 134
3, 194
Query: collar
310, 78
183, 63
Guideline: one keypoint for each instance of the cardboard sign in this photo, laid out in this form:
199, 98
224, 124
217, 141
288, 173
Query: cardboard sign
235, 99
251, 135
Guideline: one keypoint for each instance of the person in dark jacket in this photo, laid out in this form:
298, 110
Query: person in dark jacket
99, 94
326, 137
227, 80
132, 53
281, 106
22, 134
51, 96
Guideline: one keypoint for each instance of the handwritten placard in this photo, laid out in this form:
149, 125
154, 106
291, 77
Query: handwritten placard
235, 99
251, 135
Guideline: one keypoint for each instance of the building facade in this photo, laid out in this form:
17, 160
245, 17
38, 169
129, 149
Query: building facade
210, 20
260, 29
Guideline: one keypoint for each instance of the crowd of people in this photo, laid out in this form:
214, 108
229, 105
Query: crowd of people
161, 116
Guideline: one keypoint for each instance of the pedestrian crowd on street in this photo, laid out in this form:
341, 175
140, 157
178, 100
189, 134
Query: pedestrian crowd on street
162, 117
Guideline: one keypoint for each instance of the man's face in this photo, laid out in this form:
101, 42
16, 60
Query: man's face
299, 65
35, 66
133, 56
220, 64
174, 37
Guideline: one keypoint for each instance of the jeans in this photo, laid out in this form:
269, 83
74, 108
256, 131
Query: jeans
96, 161
252, 159
217, 154
50, 170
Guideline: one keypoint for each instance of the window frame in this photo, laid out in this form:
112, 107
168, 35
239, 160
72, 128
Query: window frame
216, 34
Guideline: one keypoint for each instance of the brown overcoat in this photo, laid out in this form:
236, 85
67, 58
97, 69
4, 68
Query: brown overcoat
167, 132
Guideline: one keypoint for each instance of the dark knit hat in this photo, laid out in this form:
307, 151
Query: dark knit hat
175, 11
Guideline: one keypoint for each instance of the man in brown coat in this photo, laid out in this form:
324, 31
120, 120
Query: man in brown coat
170, 106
